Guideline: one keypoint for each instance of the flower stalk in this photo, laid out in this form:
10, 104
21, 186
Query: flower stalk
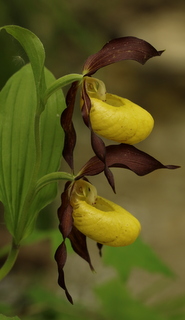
60, 83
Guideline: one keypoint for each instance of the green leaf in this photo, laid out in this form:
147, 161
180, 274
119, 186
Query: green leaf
52, 139
34, 50
139, 254
18, 152
2, 317
117, 303
54, 306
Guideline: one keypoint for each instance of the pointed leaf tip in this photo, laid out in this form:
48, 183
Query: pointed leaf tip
34, 50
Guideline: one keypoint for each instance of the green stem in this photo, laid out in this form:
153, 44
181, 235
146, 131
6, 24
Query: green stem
60, 83
8, 265
52, 177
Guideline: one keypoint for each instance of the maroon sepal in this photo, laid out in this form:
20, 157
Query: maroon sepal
67, 125
60, 257
97, 143
77, 239
125, 48
65, 227
65, 213
124, 156
79, 245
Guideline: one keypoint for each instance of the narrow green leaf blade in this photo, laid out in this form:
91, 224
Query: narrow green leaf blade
34, 50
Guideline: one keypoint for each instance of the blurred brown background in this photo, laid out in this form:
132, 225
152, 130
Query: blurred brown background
70, 31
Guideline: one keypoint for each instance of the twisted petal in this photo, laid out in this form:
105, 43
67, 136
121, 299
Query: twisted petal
68, 230
67, 125
120, 120
60, 257
79, 245
102, 220
97, 143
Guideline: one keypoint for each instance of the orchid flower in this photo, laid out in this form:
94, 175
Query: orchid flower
83, 213
93, 95
31, 152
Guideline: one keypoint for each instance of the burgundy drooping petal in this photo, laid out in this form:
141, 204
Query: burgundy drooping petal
100, 151
79, 245
67, 125
124, 156
65, 226
97, 143
65, 213
125, 48
60, 257
77, 239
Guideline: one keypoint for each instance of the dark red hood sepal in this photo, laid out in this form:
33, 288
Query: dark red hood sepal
125, 48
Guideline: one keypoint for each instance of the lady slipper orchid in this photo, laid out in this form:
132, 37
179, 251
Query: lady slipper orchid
125, 48
116, 118
82, 212
101, 219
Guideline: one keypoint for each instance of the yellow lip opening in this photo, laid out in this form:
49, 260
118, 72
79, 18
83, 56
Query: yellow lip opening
104, 221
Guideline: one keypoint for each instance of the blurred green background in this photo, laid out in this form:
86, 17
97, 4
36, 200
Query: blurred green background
70, 31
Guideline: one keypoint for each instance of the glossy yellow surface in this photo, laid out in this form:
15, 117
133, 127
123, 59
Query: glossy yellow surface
100, 219
120, 120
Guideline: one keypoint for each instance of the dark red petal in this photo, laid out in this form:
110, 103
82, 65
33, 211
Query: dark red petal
67, 125
99, 245
60, 257
124, 156
66, 221
65, 213
100, 150
65, 226
97, 143
79, 245
125, 48
85, 110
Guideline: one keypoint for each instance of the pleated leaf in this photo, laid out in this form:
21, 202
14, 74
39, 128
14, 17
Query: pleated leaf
52, 140
18, 104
